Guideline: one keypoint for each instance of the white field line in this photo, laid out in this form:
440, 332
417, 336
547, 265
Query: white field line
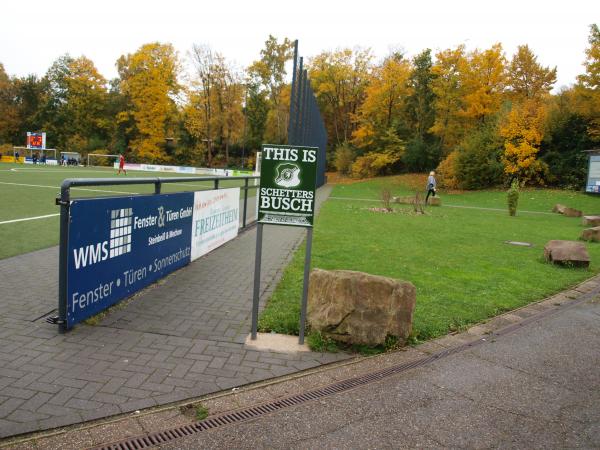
27, 169
374, 200
29, 218
78, 188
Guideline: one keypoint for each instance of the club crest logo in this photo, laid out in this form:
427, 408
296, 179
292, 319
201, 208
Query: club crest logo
287, 175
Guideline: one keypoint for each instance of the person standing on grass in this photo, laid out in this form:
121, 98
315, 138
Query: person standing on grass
122, 164
431, 186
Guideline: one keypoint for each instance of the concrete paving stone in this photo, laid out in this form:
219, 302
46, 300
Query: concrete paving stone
179, 382
106, 410
89, 390
220, 373
133, 393
11, 373
60, 421
18, 392
49, 388
15, 428
35, 402
136, 380
199, 366
54, 410
158, 376
25, 416
9, 405
137, 404
63, 396
217, 363
70, 382
162, 388
80, 404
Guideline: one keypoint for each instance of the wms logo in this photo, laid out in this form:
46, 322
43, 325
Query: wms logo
119, 244
120, 231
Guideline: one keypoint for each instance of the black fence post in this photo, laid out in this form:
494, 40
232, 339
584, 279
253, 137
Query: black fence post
63, 257
245, 202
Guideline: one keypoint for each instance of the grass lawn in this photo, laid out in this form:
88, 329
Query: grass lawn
29, 191
455, 256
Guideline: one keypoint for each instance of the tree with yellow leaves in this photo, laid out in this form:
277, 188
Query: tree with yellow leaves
448, 125
484, 81
149, 80
527, 79
339, 80
523, 132
383, 105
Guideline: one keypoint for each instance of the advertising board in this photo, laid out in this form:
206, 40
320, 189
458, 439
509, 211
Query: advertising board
117, 246
593, 181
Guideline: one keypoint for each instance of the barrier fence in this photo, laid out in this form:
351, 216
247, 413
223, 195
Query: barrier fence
306, 126
111, 247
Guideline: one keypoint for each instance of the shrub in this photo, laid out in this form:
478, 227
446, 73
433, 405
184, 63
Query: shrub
386, 197
446, 172
344, 157
479, 159
372, 164
513, 198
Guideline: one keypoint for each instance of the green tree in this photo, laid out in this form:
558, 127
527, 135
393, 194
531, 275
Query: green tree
270, 71
423, 148
9, 114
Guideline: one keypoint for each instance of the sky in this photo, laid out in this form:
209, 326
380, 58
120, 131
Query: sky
34, 33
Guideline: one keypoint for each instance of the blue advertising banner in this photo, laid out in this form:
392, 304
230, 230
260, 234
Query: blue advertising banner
118, 246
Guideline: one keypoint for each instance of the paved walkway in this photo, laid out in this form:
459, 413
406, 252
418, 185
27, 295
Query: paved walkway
538, 387
180, 338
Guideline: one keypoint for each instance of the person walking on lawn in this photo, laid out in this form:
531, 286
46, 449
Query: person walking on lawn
431, 186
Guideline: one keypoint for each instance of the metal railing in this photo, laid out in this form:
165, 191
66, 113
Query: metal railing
64, 201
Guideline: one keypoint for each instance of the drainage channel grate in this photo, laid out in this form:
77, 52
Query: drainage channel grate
253, 412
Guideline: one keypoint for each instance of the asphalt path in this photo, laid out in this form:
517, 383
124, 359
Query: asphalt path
538, 387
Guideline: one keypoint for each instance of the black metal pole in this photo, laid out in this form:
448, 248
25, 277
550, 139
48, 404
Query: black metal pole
65, 201
307, 257
245, 202
292, 95
256, 294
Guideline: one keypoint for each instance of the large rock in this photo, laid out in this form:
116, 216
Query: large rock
591, 221
591, 234
567, 253
358, 308
565, 210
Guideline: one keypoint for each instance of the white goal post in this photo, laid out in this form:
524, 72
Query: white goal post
99, 154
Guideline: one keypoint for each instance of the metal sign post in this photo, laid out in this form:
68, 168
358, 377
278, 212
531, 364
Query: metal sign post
286, 197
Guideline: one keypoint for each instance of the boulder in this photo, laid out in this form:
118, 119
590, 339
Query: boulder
567, 253
565, 210
591, 221
591, 234
359, 308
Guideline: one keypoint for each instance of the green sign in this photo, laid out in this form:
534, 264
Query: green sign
288, 177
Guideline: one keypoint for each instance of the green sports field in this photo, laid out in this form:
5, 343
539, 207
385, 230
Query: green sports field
28, 214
